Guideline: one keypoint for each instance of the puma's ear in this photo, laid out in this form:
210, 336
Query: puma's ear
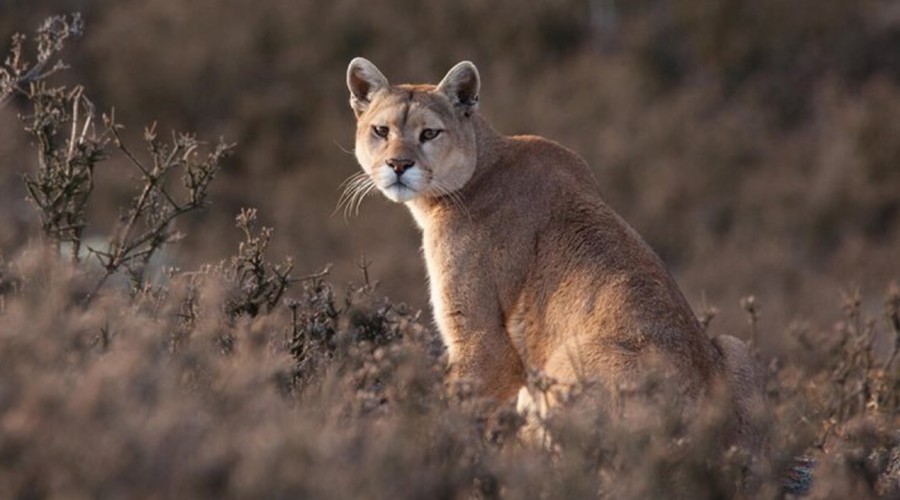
461, 85
363, 80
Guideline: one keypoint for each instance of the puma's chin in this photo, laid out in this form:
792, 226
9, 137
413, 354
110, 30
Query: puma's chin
400, 193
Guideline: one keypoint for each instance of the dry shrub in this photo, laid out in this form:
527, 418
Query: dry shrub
172, 391
837, 398
241, 379
99, 401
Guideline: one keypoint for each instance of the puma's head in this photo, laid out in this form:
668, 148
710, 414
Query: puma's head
415, 140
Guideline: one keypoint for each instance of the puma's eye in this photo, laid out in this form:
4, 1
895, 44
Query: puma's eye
429, 134
380, 131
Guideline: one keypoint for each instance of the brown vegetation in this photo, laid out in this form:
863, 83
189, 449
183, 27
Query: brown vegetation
756, 148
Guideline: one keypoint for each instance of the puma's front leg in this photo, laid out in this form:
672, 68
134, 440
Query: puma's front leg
480, 352
487, 359
468, 314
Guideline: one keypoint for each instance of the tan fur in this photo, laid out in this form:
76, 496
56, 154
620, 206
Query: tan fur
529, 269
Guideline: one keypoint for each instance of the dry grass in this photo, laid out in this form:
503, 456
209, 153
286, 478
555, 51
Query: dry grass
239, 376
173, 391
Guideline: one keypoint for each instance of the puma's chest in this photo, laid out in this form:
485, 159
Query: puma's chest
437, 263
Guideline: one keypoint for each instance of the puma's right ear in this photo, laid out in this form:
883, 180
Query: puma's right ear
363, 80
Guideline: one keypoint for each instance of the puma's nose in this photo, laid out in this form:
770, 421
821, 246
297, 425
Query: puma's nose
400, 165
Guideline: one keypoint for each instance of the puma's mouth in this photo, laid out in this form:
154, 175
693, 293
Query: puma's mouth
400, 188
400, 192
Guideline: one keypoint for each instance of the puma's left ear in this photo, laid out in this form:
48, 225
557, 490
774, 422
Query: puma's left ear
461, 85
363, 80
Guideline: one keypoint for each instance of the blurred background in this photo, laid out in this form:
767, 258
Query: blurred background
754, 143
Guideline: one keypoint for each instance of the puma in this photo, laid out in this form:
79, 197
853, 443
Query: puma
528, 268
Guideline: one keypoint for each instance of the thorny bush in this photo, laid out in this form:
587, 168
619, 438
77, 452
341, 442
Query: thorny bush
70, 146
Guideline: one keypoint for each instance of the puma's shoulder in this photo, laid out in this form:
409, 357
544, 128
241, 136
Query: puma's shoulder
536, 159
